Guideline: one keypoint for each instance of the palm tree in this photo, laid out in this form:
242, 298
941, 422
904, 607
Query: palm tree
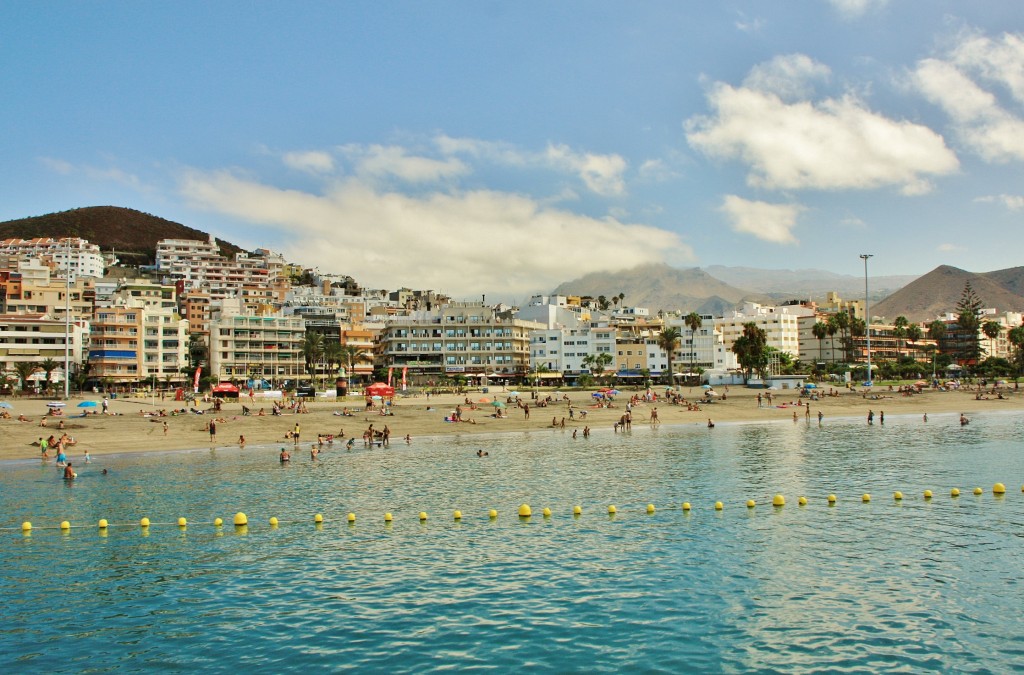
669, 340
842, 320
819, 330
832, 328
24, 370
351, 354
312, 351
693, 322
914, 333
899, 331
1016, 338
333, 356
48, 366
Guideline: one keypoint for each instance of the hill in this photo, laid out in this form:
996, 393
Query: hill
811, 284
132, 234
662, 287
938, 292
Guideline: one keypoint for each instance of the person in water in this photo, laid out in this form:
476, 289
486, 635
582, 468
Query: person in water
69, 473
285, 456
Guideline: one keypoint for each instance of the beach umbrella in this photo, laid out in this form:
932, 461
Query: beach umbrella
484, 400
920, 383
498, 404
810, 385
87, 404
597, 394
377, 398
613, 392
55, 404
705, 386
5, 404
513, 393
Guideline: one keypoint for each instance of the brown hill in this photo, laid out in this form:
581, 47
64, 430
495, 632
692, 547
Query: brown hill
132, 234
662, 287
938, 292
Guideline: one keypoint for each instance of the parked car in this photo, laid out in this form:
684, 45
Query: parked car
301, 388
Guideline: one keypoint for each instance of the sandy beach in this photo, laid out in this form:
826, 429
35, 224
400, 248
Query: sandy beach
132, 425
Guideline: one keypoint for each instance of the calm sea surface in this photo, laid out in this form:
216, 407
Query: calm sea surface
882, 586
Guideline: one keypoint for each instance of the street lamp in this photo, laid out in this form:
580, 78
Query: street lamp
867, 314
67, 320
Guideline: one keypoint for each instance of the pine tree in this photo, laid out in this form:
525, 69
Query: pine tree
968, 320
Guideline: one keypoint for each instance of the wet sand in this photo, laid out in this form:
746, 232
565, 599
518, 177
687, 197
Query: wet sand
129, 430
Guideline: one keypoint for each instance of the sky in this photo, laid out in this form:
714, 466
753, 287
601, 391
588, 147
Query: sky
502, 148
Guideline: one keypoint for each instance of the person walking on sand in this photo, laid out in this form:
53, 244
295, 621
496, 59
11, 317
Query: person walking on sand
213, 431
295, 433
165, 428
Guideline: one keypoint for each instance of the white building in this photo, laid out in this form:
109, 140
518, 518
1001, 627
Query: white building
75, 255
780, 324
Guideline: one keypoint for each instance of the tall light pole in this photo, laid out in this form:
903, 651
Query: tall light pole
67, 320
867, 314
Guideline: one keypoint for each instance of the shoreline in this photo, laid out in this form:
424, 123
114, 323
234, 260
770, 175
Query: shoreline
128, 433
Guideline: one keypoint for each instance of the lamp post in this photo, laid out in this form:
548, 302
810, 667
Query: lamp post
867, 314
67, 320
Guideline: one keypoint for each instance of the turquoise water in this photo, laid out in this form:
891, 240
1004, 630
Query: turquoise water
912, 586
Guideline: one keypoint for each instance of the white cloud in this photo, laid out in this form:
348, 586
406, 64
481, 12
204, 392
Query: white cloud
830, 144
103, 175
1012, 202
770, 222
454, 242
966, 84
602, 174
789, 77
853, 9
57, 165
311, 161
949, 248
382, 161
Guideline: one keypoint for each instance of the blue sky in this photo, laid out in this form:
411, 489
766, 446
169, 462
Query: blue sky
501, 148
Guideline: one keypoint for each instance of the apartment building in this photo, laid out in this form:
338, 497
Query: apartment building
780, 324
138, 336
200, 266
249, 346
457, 339
71, 254
36, 338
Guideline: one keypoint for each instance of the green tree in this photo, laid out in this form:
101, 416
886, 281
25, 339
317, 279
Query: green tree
48, 366
842, 320
899, 331
333, 357
668, 340
1016, 338
198, 353
312, 351
968, 320
693, 322
820, 331
914, 334
602, 303
350, 355
750, 350
832, 327
24, 370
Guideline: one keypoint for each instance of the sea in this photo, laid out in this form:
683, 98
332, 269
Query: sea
868, 582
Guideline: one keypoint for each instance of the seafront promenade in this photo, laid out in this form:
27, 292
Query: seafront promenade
133, 427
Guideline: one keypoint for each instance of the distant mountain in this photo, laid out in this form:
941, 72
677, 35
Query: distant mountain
662, 287
938, 292
132, 234
810, 284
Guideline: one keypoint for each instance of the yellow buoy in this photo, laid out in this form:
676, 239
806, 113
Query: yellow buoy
718, 506
955, 492
218, 522
144, 522
423, 515
778, 500
865, 498
65, 525
318, 518
457, 515
686, 506
927, 494
388, 517
492, 514
102, 524
182, 522
26, 526
650, 508
999, 489
351, 517
831, 499
241, 519
802, 501
978, 491
525, 511
273, 521
546, 512
751, 503
612, 510
897, 495
577, 510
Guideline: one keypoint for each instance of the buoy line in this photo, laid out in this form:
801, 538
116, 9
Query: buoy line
524, 512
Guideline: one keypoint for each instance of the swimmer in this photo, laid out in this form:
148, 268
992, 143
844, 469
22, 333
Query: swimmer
351, 442
241, 441
408, 439
481, 453
711, 425
285, 457
104, 472
87, 458
313, 451
69, 473
963, 420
